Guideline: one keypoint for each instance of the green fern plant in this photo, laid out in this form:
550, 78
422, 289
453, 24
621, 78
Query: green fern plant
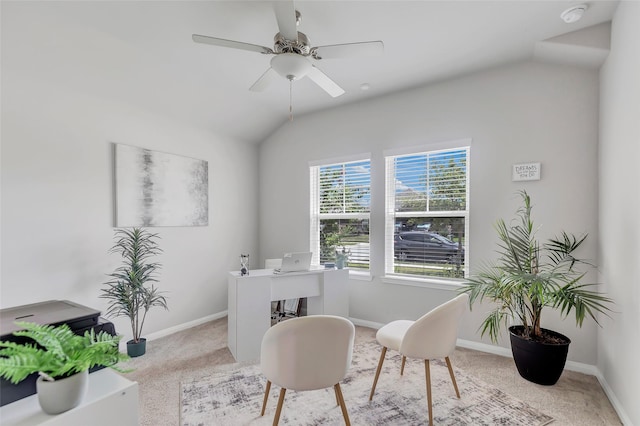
56, 352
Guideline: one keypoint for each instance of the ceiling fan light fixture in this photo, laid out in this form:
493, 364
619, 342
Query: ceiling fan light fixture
291, 65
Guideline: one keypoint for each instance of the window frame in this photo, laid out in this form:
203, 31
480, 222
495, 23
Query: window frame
390, 276
315, 216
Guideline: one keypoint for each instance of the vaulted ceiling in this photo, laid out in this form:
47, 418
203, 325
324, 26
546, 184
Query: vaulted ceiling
141, 52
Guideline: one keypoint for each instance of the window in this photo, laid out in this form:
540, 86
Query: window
427, 214
340, 205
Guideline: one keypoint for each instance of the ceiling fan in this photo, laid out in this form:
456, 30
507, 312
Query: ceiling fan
293, 53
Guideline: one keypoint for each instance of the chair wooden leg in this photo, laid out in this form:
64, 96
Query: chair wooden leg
428, 376
337, 397
276, 419
453, 378
343, 406
266, 397
404, 359
375, 381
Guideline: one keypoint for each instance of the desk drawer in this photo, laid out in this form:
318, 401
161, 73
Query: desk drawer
296, 286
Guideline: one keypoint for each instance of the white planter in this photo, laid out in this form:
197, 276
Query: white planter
64, 394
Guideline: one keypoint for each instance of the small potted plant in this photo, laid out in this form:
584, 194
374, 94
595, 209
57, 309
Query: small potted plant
332, 235
128, 292
527, 278
342, 257
61, 358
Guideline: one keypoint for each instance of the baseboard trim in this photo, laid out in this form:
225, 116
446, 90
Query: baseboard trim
484, 347
365, 323
615, 402
184, 326
493, 349
579, 367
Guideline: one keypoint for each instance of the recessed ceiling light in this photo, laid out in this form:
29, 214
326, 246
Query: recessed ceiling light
365, 86
573, 14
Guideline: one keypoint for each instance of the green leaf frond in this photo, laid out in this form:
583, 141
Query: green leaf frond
582, 300
55, 340
18, 361
493, 323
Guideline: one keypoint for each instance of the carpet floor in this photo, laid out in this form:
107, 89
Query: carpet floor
234, 395
577, 399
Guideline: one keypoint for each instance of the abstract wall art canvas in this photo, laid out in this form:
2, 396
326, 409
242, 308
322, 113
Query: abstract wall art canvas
159, 189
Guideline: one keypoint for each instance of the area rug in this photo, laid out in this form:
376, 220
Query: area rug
233, 395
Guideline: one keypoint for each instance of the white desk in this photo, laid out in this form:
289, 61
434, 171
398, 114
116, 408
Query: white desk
250, 299
111, 400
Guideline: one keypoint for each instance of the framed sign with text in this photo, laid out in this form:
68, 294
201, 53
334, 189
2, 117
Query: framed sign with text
525, 171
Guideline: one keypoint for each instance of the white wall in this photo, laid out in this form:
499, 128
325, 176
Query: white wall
57, 185
619, 155
528, 112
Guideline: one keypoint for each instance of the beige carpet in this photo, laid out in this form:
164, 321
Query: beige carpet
233, 396
576, 399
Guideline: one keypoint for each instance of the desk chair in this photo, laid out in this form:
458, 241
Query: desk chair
282, 308
307, 353
432, 336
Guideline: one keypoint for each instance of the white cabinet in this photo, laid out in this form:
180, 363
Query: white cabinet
250, 299
111, 400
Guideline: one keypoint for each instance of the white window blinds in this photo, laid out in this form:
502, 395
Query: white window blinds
340, 206
426, 219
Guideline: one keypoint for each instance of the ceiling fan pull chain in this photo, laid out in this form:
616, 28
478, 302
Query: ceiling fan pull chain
291, 99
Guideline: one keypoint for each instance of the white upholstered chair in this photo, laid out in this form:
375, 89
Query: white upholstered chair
432, 336
307, 353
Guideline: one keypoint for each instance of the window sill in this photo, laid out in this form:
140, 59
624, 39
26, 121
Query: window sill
360, 275
435, 283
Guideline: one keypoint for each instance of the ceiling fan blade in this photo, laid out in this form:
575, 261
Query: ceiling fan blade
365, 48
322, 80
286, 17
264, 81
230, 43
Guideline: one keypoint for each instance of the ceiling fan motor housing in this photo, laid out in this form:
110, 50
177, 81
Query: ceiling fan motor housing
300, 46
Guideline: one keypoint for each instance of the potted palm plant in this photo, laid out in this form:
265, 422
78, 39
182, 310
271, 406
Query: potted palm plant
527, 278
61, 358
131, 292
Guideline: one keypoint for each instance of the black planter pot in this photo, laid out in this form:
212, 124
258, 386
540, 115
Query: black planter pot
136, 349
540, 363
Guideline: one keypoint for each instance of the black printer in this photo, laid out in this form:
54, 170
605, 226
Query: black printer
52, 312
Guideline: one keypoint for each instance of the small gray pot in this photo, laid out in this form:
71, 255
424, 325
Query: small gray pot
62, 394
